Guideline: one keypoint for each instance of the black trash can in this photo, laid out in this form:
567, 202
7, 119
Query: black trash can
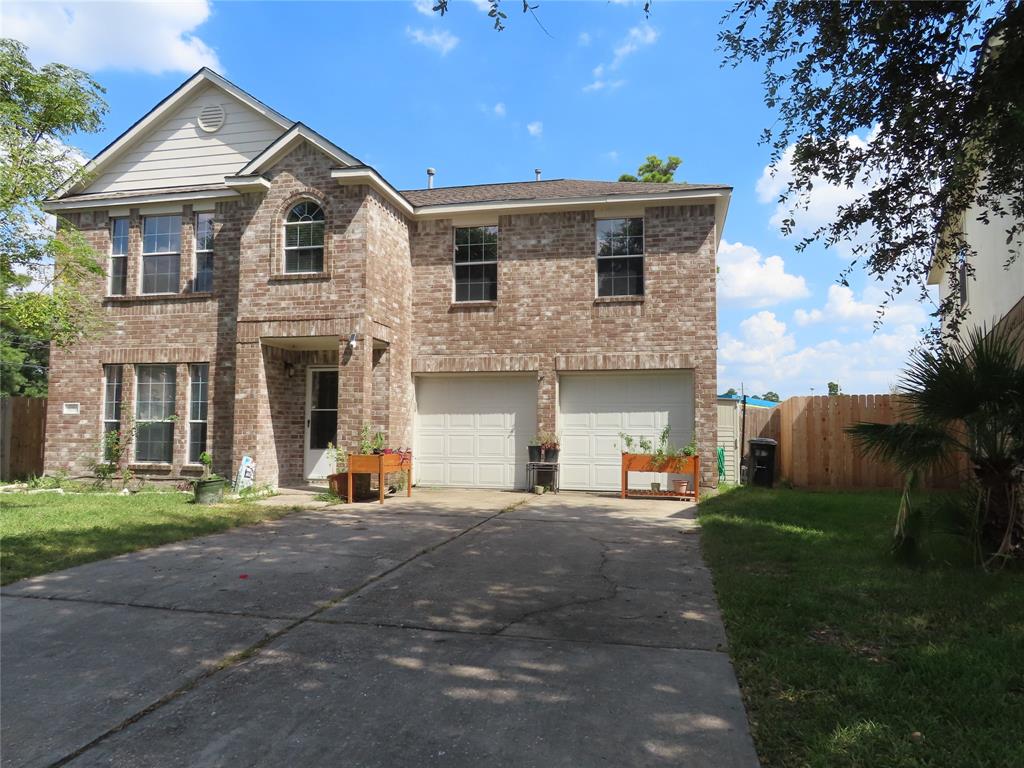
762, 461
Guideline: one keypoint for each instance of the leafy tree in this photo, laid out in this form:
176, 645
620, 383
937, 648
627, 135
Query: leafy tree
731, 391
773, 396
966, 400
939, 88
833, 389
655, 169
41, 269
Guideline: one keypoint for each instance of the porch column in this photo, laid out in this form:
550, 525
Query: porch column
252, 414
355, 389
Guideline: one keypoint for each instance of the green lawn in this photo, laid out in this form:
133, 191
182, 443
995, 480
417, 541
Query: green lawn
46, 532
847, 658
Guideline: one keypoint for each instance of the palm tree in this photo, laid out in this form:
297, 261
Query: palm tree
965, 400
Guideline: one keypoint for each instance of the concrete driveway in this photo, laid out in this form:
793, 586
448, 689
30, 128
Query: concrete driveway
455, 628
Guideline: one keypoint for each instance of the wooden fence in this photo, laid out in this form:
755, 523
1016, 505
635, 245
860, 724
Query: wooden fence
22, 433
815, 452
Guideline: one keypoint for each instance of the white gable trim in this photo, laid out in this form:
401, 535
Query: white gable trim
140, 199
285, 143
201, 78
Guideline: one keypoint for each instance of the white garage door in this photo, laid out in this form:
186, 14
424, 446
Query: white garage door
594, 408
474, 430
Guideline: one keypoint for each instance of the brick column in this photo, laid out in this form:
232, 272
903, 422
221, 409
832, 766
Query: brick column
355, 388
547, 394
133, 281
187, 265
252, 413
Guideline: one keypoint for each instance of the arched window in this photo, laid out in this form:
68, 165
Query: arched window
304, 238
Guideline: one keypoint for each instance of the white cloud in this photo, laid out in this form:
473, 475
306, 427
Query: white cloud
751, 279
499, 109
765, 355
583, 39
426, 7
843, 308
536, 128
817, 207
151, 37
440, 40
612, 154
638, 37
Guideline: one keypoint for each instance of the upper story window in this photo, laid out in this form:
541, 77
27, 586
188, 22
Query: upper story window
304, 238
161, 254
118, 257
204, 253
620, 257
476, 263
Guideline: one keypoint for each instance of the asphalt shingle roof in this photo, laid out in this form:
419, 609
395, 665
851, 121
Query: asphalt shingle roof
543, 190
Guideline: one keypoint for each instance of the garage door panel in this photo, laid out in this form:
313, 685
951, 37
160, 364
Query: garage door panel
492, 446
493, 475
476, 428
595, 408
430, 472
606, 446
492, 421
461, 420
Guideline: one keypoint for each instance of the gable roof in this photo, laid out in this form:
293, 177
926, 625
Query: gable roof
284, 143
203, 77
554, 189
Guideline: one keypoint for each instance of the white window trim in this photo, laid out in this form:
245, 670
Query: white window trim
599, 257
135, 460
103, 411
144, 254
455, 264
188, 435
195, 246
112, 256
285, 248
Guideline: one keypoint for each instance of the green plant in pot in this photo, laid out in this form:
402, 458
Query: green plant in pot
550, 447
536, 453
210, 488
338, 479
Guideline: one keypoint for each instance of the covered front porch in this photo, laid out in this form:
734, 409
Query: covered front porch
309, 393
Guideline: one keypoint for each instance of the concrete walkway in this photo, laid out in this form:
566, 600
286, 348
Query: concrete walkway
455, 628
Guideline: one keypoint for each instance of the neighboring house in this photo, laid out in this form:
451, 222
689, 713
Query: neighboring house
275, 294
730, 425
994, 294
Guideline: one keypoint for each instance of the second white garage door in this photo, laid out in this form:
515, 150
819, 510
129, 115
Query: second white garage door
473, 431
595, 407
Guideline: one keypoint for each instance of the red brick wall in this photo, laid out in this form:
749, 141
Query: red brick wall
390, 282
547, 317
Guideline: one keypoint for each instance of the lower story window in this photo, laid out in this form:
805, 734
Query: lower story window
154, 413
199, 386
113, 379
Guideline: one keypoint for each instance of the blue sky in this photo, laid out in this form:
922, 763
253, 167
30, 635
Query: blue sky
402, 89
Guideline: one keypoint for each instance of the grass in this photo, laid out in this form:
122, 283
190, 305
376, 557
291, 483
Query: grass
847, 658
46, 532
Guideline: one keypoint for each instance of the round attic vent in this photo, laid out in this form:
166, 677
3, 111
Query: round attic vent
211, 117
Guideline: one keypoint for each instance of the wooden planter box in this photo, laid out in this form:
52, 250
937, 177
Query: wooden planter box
644, 462
380, 464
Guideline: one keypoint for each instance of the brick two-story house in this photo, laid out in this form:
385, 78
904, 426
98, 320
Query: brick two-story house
275, 294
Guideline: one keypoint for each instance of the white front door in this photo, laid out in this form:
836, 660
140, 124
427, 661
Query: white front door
321, 420
595, 407
474, 430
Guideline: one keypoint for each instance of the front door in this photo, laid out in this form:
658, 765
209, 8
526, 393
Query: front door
321, 420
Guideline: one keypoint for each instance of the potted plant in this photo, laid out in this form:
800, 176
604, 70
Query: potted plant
549, 446
209, 489
338, 479
536, 453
